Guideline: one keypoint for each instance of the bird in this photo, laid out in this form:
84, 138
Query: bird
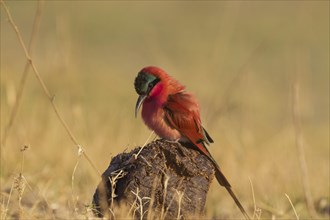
174, 115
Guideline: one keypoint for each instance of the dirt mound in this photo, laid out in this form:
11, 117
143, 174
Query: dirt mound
168, 178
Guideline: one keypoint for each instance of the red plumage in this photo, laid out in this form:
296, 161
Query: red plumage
174, 114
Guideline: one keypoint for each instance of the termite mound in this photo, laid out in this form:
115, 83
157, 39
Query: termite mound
168, 179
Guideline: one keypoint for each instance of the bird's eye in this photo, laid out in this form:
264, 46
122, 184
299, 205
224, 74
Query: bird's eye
152, 84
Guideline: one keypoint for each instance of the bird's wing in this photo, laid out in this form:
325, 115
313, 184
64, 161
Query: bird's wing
182, 113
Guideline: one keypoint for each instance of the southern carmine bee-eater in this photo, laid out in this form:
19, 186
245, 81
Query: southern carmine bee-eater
173, 114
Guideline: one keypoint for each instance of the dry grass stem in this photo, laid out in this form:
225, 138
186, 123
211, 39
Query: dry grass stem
49, 96
162, 214
180, 196
113, 180
294, 210
145, 143
35, 29
112, 214
19, 185
5, 210
152, 200
172, 199
139, 204
256, 211
74, 200
146, 161
300, 149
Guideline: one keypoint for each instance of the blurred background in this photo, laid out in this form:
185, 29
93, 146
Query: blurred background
239, 58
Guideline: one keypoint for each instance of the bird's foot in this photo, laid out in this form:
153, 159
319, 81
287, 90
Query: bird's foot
172, 141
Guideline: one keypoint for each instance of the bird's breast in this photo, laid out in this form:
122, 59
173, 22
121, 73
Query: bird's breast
154, 117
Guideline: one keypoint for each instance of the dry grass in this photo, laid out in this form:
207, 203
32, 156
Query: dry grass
239, 58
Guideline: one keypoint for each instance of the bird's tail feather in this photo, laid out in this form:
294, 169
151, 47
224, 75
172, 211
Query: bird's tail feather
224, 182
222, 179
220, 176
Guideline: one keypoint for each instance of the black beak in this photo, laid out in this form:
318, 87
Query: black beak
139, 103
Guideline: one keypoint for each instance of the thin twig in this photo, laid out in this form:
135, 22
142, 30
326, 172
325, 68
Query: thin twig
13, 113
49, 96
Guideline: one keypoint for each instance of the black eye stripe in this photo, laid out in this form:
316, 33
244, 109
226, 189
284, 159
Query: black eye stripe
153, 83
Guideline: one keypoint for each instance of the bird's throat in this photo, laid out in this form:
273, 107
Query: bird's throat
157, 95
157, 90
